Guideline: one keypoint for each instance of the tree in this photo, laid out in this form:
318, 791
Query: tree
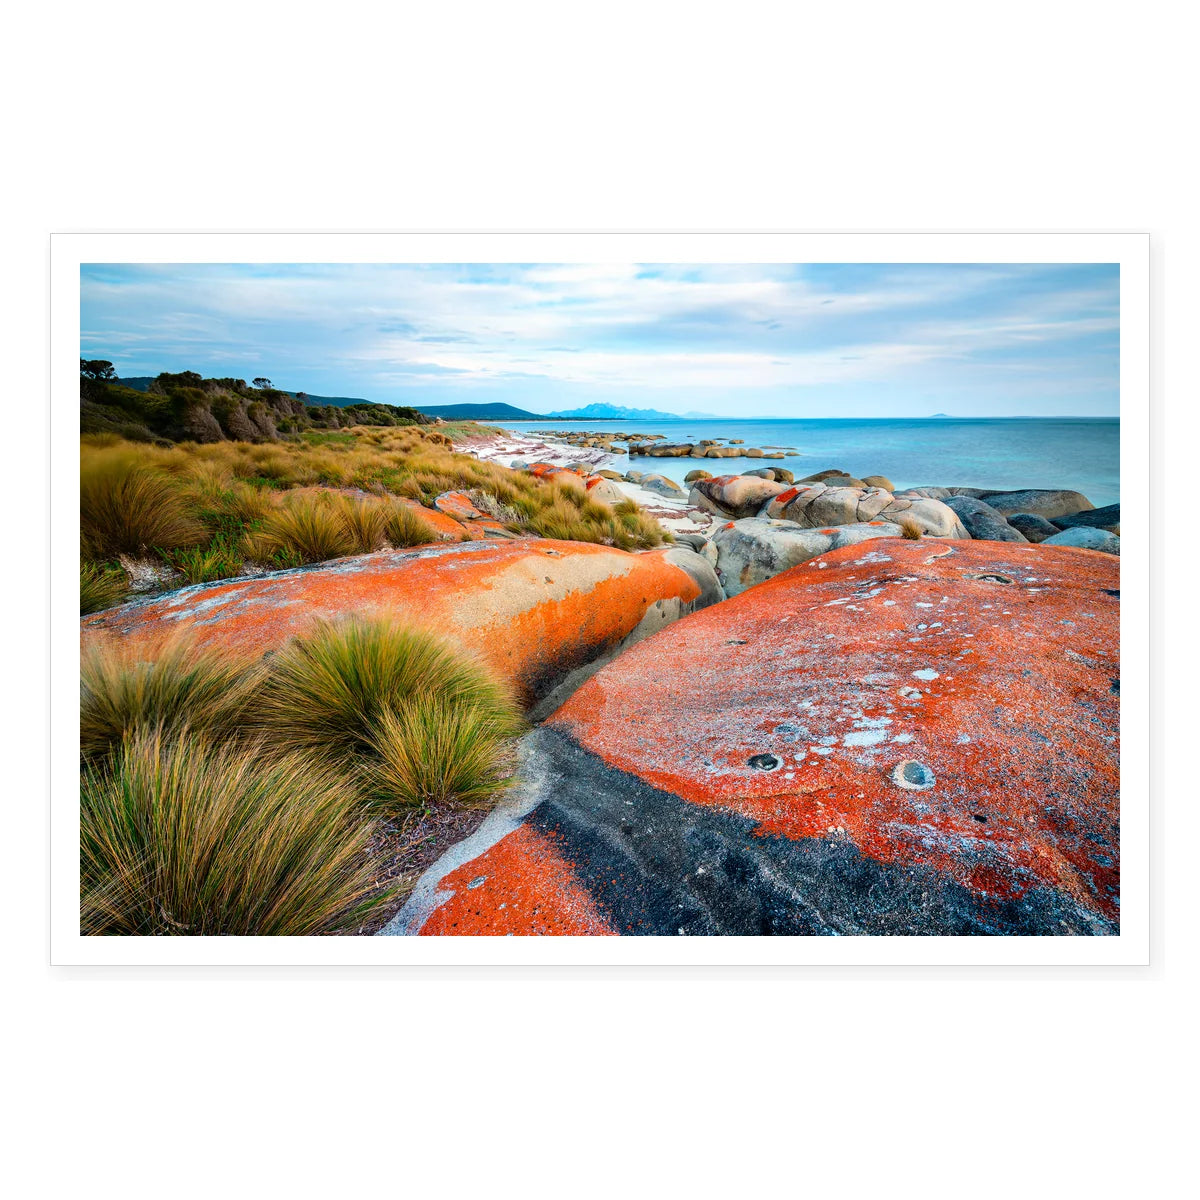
262, 383
97, 368
302, 397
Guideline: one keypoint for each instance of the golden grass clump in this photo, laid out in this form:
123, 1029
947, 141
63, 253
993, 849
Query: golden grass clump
434, 752
910, 530
404, 527
326, 693
305, 529
182, 837
124, 689
128, 508
100, 587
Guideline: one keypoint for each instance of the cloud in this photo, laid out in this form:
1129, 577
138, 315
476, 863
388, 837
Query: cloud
722, 333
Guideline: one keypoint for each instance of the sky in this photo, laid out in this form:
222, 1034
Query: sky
746, 340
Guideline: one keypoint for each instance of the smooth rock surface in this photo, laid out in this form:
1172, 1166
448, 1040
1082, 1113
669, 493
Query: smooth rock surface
1032, 527
1044, 502
734, 495
1108, 517
1083, 538
982, 521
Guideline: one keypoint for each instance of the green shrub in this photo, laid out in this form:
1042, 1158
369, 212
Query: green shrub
178, 836
435, 752
125, 688
326, 693
206, 564
100, 587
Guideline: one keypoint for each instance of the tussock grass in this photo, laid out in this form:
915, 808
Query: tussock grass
435, 752
126, 508
326, 693
125, 689
306, 529
404, 527
225, 502
100, 587
178, 836
910, 529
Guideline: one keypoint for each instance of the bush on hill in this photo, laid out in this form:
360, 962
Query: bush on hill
184, 407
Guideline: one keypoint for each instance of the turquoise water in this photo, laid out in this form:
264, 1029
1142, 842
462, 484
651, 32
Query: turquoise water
1082, 453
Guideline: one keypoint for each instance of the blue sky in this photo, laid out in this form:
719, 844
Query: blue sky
748, 340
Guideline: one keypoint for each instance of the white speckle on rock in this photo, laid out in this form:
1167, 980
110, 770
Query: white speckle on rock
925, 673
865, 737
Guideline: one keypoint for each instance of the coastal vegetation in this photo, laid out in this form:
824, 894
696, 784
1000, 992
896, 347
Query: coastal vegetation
221, 796
183, 406
209, 511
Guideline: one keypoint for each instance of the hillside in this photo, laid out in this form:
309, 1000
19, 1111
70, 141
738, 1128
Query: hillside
141, 383
186, 407
478, 412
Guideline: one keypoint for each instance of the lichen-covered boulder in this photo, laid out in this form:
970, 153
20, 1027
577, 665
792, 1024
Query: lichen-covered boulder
734, 496
756, 549
603, 491
1044, 502
818, 504
1083, 538
692, 476
879, 481
535, 609
1108, 517
1032, 527
896, 738
982, 520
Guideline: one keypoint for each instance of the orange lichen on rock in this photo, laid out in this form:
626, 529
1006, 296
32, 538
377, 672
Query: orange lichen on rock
954, 710
535, 609
522, 885
444, 526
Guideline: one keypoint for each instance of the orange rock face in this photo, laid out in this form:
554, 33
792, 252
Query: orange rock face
900, 737
535, 609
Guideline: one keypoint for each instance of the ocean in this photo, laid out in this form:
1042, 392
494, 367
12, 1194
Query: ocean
1081, 453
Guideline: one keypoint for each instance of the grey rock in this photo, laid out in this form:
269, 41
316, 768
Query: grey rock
982, 521
1032, 527
661, 484
1083, 538
1042, 502
753, 550
1108, 517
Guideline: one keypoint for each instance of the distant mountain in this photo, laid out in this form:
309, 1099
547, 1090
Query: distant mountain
478, 412
613, 412
932, 415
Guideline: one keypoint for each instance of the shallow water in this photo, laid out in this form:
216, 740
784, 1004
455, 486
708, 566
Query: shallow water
1082, 453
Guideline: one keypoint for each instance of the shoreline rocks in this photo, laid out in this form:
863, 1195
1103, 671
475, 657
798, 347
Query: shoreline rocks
902, 738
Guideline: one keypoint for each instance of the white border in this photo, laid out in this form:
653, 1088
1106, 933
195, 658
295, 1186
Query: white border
1130, 250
